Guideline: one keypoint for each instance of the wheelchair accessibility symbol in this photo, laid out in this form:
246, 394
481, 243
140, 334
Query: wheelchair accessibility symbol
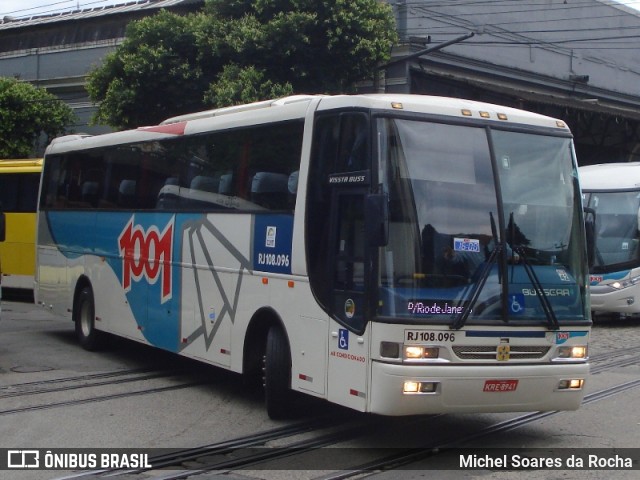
343, 339
516, 303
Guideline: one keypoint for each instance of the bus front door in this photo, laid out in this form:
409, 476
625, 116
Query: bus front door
348, 344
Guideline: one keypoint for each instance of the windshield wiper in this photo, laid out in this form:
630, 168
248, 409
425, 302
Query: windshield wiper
462, 317
475, 291
544, 299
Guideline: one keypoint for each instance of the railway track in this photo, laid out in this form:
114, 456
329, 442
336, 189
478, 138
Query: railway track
44, 388
81, 381
259, 452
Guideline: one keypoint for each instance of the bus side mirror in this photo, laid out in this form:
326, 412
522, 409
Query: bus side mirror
590, 233
376, 217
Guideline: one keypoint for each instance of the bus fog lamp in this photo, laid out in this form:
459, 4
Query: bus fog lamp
412, 388
390, 349
413, 352
571, 384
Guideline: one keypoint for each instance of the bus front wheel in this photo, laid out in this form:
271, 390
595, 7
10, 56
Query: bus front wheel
277, 374
84, 318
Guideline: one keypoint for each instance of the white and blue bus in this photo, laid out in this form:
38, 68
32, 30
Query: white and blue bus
611, 192
394, 254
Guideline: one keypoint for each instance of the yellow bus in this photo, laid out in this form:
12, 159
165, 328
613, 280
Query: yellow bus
19, 183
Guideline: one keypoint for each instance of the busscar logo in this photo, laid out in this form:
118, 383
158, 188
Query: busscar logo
147, 254
23, 459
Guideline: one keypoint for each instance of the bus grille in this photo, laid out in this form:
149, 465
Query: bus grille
489, 352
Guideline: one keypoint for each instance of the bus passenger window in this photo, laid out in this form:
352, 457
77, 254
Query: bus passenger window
292, 187
205, 184
127, 193
169, 195
270, 190
90, 193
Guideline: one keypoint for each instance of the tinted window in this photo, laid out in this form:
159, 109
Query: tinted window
253, 169
19, 192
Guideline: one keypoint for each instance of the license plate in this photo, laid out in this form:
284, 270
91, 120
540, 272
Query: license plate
499, 386
429, 336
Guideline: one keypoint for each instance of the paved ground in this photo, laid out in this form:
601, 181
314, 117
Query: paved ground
200, 405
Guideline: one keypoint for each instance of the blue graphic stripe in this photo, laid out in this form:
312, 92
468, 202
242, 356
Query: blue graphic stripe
506, 333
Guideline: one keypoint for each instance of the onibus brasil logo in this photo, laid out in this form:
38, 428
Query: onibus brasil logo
147, 254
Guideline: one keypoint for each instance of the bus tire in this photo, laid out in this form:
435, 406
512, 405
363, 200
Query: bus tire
277, 374
84, 317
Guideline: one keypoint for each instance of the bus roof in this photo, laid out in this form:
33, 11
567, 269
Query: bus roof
296, 107
434, 105
412, 103
610, 176
26, 165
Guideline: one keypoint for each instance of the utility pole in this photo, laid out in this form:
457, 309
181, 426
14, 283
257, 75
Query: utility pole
417, 54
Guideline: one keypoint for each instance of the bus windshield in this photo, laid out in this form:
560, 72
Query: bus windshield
616, 230
470, 208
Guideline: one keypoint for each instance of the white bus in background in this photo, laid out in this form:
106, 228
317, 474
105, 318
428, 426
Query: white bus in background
394, 254
611, 191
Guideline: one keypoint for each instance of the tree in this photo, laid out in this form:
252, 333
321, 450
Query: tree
319, 46
26, 112
243, 85
238, 51
155, 73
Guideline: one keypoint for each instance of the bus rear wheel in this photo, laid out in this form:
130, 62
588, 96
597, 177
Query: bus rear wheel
84, 316
277, 374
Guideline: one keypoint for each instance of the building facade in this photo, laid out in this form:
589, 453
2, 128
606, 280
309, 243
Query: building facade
578, 61
57, 52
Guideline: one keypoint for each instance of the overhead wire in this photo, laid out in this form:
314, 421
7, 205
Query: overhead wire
21, 13
454, 27
497, 7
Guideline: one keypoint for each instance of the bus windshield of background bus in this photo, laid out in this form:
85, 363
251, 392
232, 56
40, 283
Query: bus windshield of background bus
444, 224
616, 231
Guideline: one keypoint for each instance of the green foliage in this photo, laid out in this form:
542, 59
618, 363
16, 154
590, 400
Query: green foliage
26, 112
320, 46
238, 51
152, 75
238, 85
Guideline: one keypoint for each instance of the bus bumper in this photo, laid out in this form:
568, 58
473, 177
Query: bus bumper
475, 389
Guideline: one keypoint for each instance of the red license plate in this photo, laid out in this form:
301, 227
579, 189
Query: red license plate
500, 386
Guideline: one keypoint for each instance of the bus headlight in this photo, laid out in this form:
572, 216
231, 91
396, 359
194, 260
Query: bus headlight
416, 352
409, 353
571, 384
576, 352
619, 285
